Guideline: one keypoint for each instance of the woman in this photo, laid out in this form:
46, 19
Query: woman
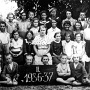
41, 46
16, 48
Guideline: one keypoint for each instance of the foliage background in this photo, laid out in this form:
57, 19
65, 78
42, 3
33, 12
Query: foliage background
62, 5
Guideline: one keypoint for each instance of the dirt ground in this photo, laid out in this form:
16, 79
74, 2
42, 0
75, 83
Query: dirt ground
44, 87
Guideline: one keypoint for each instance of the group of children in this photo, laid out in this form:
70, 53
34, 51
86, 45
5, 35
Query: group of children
45, 40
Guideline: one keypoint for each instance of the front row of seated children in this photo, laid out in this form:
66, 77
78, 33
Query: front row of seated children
73, 73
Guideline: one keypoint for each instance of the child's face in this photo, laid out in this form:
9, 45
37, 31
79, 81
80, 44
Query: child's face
58, 37
35, 23
53, 13
23, 16
67, 26
29, 36
82, 15
44, 16
29, 60
78, 37
76, 59
2, 27
78, 26
54, 23
16, 35
10, 17
42, 31
31, 15
45, 60
68, 14
67, 37
64, 59
9, 59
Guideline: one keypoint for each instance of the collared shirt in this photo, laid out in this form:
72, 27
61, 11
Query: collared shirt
11, 65
51, 33
73, 21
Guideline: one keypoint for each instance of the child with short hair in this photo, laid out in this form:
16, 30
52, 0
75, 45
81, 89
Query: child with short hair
29, 60
56, 48
45, 59
63, 71
78, 71
35, 27
10, 71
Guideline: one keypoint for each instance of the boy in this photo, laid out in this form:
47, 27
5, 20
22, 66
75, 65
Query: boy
29, 60
45, 60
78, 71
10, 71
63, 71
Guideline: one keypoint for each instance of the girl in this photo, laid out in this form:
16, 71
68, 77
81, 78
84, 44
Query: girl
41, 46
68, 46
11, 24
27, 44
35, 27
66, 29
23, 25
44, 20
63, 71
56, 48
78, 28
79, 48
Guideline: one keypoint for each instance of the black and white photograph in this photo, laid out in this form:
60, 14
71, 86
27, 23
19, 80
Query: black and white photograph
44, 44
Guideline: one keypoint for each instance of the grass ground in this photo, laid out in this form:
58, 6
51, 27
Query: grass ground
44, 87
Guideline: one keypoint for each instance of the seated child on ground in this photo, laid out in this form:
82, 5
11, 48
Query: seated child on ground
10, 71
78, 71
63, 71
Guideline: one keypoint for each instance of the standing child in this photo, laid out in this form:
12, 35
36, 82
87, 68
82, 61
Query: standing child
35, 27
51, 32
10, 71
63, 71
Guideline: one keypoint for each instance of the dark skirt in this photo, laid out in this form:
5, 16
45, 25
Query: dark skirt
19, 60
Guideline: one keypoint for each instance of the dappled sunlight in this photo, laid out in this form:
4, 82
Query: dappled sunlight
7, 6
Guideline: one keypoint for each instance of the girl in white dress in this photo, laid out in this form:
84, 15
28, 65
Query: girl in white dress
79, 48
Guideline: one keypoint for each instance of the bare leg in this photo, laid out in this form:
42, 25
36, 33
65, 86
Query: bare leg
71, 79
62, 81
